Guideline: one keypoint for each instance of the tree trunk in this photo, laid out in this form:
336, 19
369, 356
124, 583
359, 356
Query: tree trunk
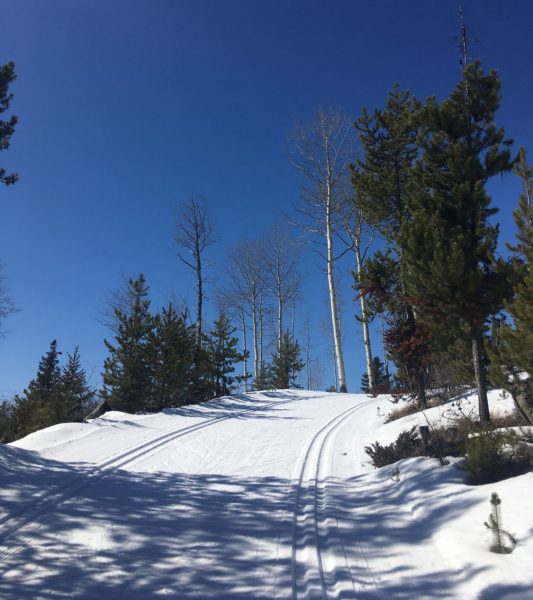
384, 352
261, 362
280, 323
419, 376
200, 291
522, 393
364, 322
308, 354
244, 352
255, 336
480, 375
333, 297
421, 385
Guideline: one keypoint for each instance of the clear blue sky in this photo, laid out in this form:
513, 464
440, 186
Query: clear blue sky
126, 107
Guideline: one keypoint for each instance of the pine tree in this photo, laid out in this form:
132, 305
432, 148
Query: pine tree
448, 247
381, 378
223, 356
171, 343
263, 381
512, 351
7, 128
38, 405
286, 363
127, 370
76, 395
383, 182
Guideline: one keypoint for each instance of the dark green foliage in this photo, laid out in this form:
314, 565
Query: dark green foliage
127, 370
448, 246
7, 425
494, 455
201, 383
223, 356
77, 396
7, 127
171, 346
383, 183
384, 179
286, 363
263, 381
512, 348
56, 395
157, 362
407, 445
382, 385
38, 405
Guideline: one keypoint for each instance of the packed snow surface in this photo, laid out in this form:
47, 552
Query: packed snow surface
266, 495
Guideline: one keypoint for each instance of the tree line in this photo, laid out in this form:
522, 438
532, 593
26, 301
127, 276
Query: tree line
455, 311
155, 362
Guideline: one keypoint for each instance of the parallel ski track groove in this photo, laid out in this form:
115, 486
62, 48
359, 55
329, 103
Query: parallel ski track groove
328, 429
48, 501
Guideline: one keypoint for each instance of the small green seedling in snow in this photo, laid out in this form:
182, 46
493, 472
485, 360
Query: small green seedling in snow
499, 535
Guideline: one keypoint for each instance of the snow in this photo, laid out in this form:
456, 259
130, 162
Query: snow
265, 495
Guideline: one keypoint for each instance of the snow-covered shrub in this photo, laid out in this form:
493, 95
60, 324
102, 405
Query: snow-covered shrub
410, 408
407, 445
492, 455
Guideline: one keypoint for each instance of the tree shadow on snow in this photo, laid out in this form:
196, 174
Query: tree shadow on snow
192, 536
240, 406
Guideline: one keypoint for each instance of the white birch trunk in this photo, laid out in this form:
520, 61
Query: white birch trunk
255, 338
261, 362
364, 322
337, 345
244, 352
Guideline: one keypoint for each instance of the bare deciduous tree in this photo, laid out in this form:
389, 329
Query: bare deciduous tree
321, 154
352, 238
281, 259
7, 305
193, 234
248, 285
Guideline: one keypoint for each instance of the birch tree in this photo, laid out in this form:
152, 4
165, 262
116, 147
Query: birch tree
193, 235
7, 306
352, 227
320, 153
281, 254
231, 302
247, 283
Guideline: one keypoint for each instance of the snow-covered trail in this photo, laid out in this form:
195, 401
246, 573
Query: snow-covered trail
188, 505
261, 496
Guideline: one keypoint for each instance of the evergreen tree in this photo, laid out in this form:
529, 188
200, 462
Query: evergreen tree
76, 395
384, 181
448, 246
38, 405
286, 363
201, 383
263, 381
223, 356
7, 433
381, 378
512, 350
172, 344
7, 128
127, 370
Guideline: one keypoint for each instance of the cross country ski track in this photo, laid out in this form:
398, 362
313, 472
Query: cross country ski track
30, 513
316, 573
